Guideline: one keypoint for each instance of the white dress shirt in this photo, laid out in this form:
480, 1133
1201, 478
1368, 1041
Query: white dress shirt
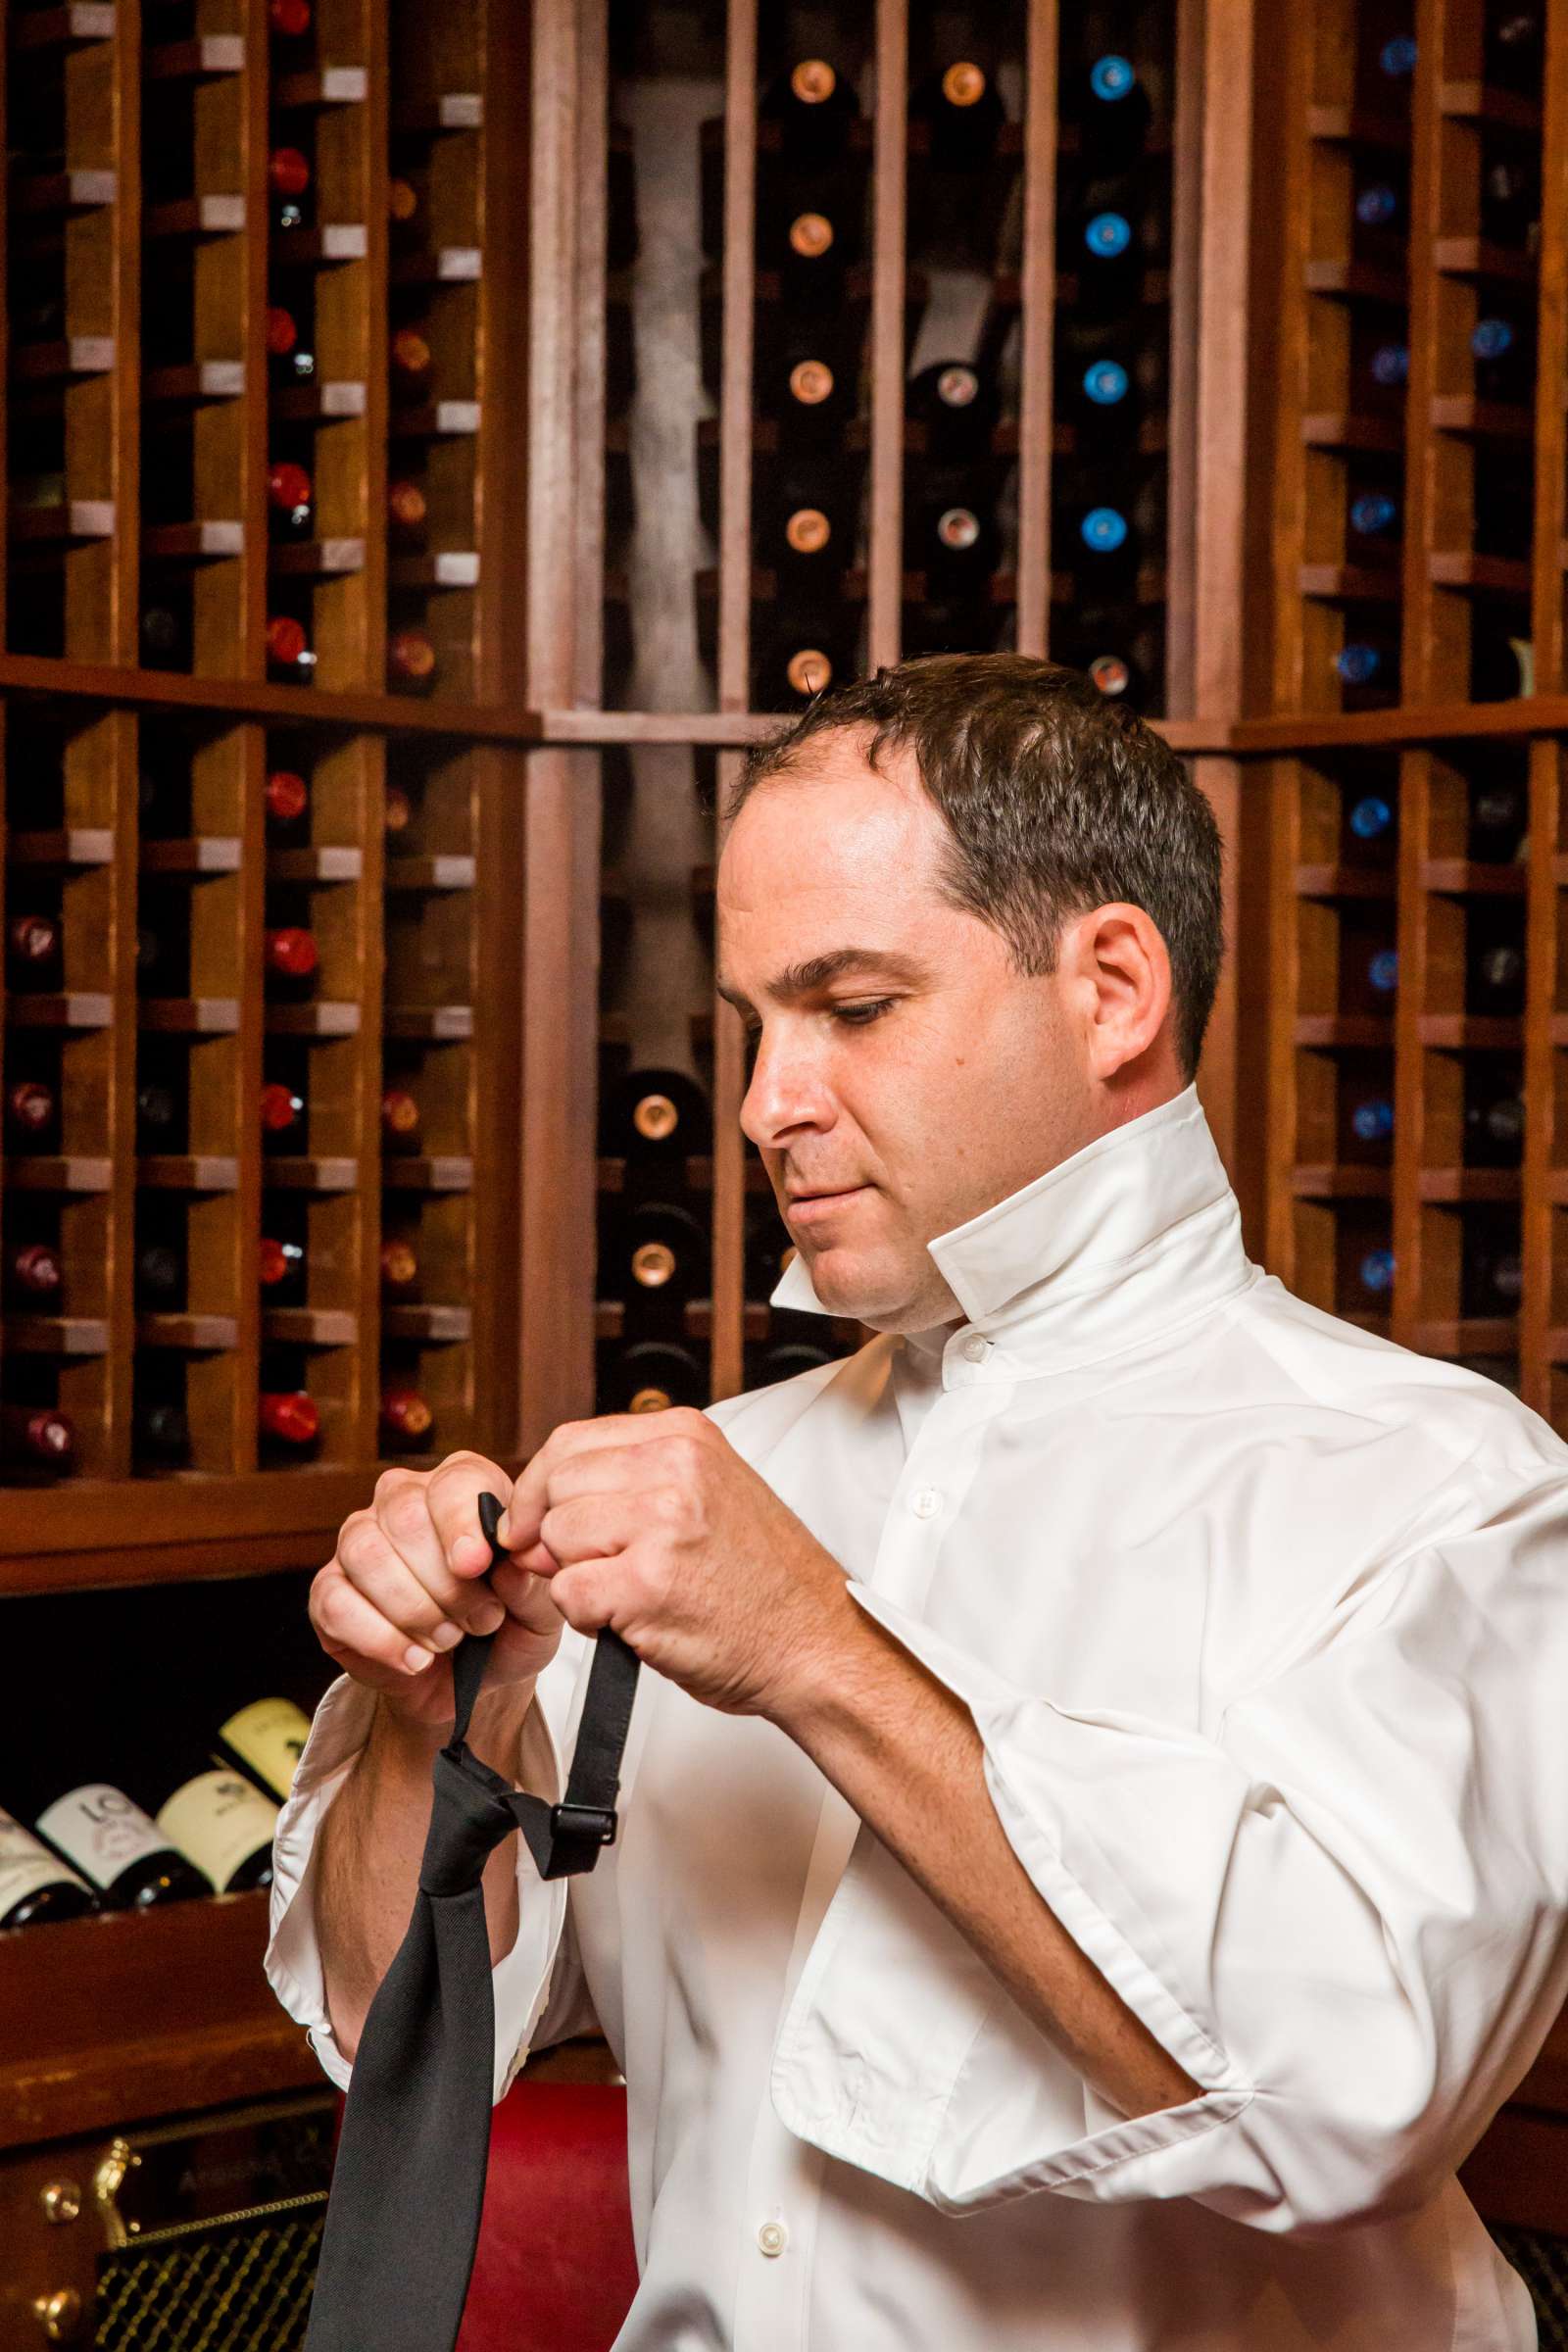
1263, 1623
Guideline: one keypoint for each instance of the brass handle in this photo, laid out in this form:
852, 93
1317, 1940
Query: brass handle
61, 2201
59, 2314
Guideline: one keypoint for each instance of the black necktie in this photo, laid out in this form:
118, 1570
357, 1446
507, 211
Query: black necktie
408, 2184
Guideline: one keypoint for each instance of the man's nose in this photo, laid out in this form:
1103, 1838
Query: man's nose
783, 1092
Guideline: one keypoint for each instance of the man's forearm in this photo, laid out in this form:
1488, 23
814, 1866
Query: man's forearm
372, 1843
904, 1751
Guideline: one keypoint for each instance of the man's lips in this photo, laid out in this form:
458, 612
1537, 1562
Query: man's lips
803, 1204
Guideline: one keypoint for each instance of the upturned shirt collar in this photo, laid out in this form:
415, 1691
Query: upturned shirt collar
1133, 1235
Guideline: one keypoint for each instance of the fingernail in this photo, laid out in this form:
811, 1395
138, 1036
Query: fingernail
468, 1551
414, 1657
504, 1529
447, 1636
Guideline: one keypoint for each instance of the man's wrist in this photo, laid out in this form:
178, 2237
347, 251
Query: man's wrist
826, 1681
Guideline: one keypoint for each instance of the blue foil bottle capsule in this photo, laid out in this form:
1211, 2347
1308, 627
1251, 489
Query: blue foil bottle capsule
1371, 817
1376, 1271
1373, 1120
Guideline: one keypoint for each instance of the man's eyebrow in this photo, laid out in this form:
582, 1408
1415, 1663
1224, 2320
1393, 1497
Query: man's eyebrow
798, 980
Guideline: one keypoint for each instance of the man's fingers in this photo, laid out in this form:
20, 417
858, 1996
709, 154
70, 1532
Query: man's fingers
590, 1527
452, 1496
348, 1620
375, 1567
519, 1525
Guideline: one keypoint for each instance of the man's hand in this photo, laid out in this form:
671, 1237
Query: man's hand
402, 1591
650, 1523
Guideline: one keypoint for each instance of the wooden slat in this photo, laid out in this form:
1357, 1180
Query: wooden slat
1039, 268
885, 494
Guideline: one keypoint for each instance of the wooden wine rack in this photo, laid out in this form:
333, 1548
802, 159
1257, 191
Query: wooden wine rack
596, 685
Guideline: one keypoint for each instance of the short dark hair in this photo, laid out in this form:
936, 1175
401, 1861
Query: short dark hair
1056, 800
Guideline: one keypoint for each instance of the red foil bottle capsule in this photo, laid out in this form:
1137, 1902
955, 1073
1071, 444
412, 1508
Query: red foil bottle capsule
35, 1270
290, 1416
30, 1106
291, 952
405, 1413
281, 1109
287, 646
400, 1117
288, 797
400, 1269
279, 1263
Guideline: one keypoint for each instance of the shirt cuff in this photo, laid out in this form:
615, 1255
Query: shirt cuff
520, 1982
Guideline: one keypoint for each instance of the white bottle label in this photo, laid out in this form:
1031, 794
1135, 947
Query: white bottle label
217, 1820
26, 1865
101, 1831
269, 1735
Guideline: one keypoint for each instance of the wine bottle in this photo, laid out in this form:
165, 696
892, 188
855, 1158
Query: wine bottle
162, 1433
1504, 353
1370, 817
790, 667
282, 1115
288, 180
1496, 975
1379, 210
1103, 405
166, 637
31, 1111
962, 116
1500, 664
408, 510
400, 1119
956, 546
287, 800
290, 957
1374, 515
655, 1256
288, 648
288, 1418
290, 359
769, 1251
266, 1736
403, 210
36, 1436
160, 1274
1390, 366
35, 1886
1112, 109
280, 1270
655, 1114
813, 107
958, 404
410, 660
33, 944
33, 1272
1490, 1282
1498, 817
397, 814
650, 1375
1494, 1130
1369, 664
784, 1359
1107, 550
1119, 677
1513, 46
1372, 1119
291, 513
1375, 1272
78, 1804
216, 1817
814, 401
407, 1419
1510, 200
288, 20
412, 365
1102, 251
1383, 972
400, 1268
1397, 59
810, 247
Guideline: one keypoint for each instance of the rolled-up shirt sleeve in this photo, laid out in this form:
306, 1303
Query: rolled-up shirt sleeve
520, 1982
1344, 1914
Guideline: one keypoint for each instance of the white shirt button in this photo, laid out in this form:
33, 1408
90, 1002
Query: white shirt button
926, 1501
976, 1349
772, 2238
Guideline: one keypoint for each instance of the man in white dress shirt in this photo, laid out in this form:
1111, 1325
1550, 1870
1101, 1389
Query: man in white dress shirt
1094, 1846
